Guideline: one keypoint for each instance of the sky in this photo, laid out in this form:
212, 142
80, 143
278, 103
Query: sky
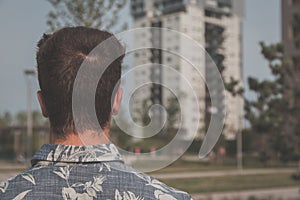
23, 22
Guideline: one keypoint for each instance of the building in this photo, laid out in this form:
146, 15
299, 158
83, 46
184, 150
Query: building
291, 30
215, 25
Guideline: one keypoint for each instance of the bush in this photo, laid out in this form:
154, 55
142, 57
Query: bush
296, 176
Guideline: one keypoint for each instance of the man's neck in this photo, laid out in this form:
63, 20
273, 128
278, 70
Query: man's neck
86, 138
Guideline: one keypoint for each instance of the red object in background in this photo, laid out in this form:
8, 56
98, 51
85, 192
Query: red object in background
137, 150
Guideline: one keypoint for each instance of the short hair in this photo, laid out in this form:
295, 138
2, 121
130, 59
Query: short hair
59, 58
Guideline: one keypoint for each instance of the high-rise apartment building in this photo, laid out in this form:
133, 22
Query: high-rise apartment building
291, 30
214, 24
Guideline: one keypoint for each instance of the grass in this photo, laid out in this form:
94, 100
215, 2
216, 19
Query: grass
229, 164
233, 183
193, 166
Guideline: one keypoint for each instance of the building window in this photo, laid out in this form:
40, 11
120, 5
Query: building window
296, 62
296, 3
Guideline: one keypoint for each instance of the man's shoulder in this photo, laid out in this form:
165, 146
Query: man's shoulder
159, 189
26, 184
17, 186
111, 181
164, 191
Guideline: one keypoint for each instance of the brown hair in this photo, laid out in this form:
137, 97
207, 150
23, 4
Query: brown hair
59, 58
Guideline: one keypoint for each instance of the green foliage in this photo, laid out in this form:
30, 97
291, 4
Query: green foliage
296, 176
120, 138
173, 112
233, 87
20, 119
195, 147
10, 146
6, 147
144, 112
5, 119
102, 14
274, 114
173, 116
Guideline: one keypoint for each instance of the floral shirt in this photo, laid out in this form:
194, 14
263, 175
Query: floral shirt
84, 172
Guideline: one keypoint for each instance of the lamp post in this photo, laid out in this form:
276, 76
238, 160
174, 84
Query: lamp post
28, 76
240, 147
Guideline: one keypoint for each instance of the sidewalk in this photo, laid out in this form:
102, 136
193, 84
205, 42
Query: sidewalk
291, 193
221, 173
12, 166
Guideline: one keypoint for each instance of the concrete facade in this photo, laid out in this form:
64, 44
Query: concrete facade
190, 18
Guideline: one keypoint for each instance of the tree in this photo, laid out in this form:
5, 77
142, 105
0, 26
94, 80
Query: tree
143, 112
39, 120
173, 114
172, 108
21, 118
11, 141
5, 119
102, 14
275, 114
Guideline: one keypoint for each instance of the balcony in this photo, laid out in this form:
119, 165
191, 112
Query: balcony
168, 6
218, 8
137, 8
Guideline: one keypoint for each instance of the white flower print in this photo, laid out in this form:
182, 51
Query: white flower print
29, 178
50, 155
63, 173
21, 195
107, 166
70, 194
152, 182
163, 196
84, 196
97, 184
3, 186
126, 196
82, 153
85, 173
157, 184
57, 152
113, 149
118, 195
89, 189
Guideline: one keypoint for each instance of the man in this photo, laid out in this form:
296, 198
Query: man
79, 162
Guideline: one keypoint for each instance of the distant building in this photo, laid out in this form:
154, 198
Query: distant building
14, 141
291, 30
214, 24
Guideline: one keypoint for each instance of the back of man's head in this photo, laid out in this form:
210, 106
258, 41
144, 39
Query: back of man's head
59, 58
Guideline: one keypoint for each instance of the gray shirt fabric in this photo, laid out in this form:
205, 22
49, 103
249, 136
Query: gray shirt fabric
84, 172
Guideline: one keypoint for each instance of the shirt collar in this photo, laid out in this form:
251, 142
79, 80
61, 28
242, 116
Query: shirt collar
77, 154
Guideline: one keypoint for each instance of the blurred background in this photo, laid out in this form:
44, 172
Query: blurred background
256, 47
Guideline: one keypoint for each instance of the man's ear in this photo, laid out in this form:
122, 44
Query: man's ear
42, 104
117, 101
